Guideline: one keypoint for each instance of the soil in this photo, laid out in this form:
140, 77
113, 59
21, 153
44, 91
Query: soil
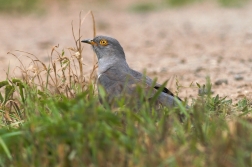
186, 44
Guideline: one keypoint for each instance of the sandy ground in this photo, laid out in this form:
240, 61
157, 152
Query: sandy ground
188, 43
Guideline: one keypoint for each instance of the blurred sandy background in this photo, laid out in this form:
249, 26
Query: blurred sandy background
168, 40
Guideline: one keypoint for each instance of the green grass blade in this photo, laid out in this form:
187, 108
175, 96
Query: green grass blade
11, 134
4, 83
160, 89
181, 107
5, 148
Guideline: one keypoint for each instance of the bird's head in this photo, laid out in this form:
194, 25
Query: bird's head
106, 47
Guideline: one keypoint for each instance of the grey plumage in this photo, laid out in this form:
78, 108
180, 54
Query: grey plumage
118, 78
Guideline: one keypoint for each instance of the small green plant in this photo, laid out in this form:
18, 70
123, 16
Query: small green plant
8, 106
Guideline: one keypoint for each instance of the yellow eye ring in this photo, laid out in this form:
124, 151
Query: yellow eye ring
103, 42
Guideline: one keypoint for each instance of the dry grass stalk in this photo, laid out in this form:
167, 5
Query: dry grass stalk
65, 73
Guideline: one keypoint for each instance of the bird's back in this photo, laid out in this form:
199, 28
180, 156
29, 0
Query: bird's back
118, 83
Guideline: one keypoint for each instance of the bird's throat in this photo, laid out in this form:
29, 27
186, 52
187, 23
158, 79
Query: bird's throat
106, 63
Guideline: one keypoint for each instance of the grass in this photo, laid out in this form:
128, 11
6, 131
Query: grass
232, 3
148, 6
27, 6
225, 3
143, 7
39, 6
52, 117
18, 6
181, 2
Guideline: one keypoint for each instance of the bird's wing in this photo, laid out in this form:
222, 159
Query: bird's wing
150, 81
165, 90
132, 83
123, 84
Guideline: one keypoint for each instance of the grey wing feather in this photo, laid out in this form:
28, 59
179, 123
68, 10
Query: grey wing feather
149, 82
117, 82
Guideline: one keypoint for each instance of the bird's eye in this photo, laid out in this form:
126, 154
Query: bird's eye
103, 42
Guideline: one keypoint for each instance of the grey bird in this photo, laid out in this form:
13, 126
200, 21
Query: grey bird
118, 79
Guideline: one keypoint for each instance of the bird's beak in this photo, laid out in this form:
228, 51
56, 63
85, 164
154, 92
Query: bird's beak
89, 41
